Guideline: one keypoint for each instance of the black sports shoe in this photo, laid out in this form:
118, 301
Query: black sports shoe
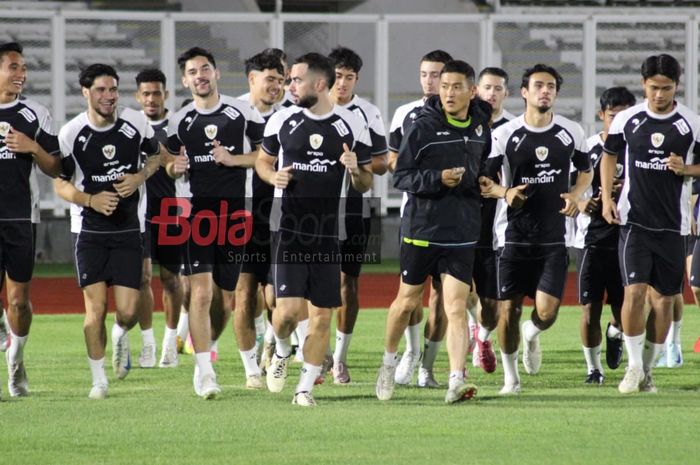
595, 377
613, 350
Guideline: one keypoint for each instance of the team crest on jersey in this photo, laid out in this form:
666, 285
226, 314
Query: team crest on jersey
4, 128
657, 139
210, 131
541, 153
479, 131
315, 140
109, 151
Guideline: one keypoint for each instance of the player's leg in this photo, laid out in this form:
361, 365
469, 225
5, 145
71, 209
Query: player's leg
172, 303
485, 285
95, 297
346, 319
201, 296
284, 321
591, 290
434, 333
147, 357
244, 328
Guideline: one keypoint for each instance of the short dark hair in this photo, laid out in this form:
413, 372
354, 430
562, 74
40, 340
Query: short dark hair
88, 75
663, 64
540, 68
461, 67
494, 71
194, 52
263, 61
343, 57
275, 52
150, 75
10, 47
318, 63
616, 97
439, 56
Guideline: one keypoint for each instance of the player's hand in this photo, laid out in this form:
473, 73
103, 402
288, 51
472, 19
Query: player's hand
451, 177
282, 177
515, 196
676, 164
104, 202
489, 189
180, 165
589, 206
18, 142
610, 211
570, 204
128, 184
221, 155
349, 160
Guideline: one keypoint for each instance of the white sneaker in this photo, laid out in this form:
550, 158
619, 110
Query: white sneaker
532, 354
630, 383
277, 373
209, 388
254, 382
426, 379
407, 365
121, 356
267, 353
662, 360
647, 384
510, 389
17, 383
98, 391
464, 391
147, 357
169, 358
674, 356
304, 399
385, 382
476, 362
196, 381
3, 331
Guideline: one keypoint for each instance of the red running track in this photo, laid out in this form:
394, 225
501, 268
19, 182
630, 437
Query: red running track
62, 295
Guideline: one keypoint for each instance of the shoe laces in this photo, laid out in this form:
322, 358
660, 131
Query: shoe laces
279, 369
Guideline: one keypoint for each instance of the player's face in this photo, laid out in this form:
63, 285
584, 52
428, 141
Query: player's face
151, 96
303, 86
266, 85
493, 90
102, 96
200, 77
430, 77
660, 92
344, 87
609, 114
13, 73
456, 91
541, 92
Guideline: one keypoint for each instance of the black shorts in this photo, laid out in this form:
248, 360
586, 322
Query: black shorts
257, 253
485, 273
316, 280
656, 258
524, 270
598, 274
355, 245
17, 249
167, 256
113, 258
417, 263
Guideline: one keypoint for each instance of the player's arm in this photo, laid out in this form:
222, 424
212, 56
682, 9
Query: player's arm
573, 197
391, 162
380, 163
130, 182
411, 177
226, 158
676, 164
104, 202
265, 167
361, 175
19, 142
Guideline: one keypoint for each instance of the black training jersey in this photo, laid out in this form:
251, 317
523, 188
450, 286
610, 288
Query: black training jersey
593, 230
160, 185
541, 159
312, 145
95, 158
237, 125
654, 197
33, 120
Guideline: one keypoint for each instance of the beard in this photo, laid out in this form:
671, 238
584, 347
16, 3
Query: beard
542, 109
307, 101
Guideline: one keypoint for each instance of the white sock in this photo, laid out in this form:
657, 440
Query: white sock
675, 332
203, 361
651, 351
390, 359
283, 347
259, 326
97, 368
269, 334
117, 332
183, 325
214, 346
169, 338
592, 356
634, 346
301, 332
484, 334
412, 334
342, 342
147, 337
510, 367
15, 353
456, 378
614, 333
249, 363
309, 373
430, 353
530, 331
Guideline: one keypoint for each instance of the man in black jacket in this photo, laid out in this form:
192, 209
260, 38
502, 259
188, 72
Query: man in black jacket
439, 162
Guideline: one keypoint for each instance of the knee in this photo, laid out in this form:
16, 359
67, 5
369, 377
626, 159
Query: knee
171, 285
455, 309
508, 311
320, 324
405, 305
18, 303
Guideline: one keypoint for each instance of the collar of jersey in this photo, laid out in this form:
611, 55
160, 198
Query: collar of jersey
460, 124
352, 101
657, 115
535, 129
208, 111
311, 115
117, 112
5, 106
157, 122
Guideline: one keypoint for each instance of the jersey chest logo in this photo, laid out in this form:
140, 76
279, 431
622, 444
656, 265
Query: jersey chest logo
4, 128
109, 151
541, 153
210, 131
657, 139
315, 140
